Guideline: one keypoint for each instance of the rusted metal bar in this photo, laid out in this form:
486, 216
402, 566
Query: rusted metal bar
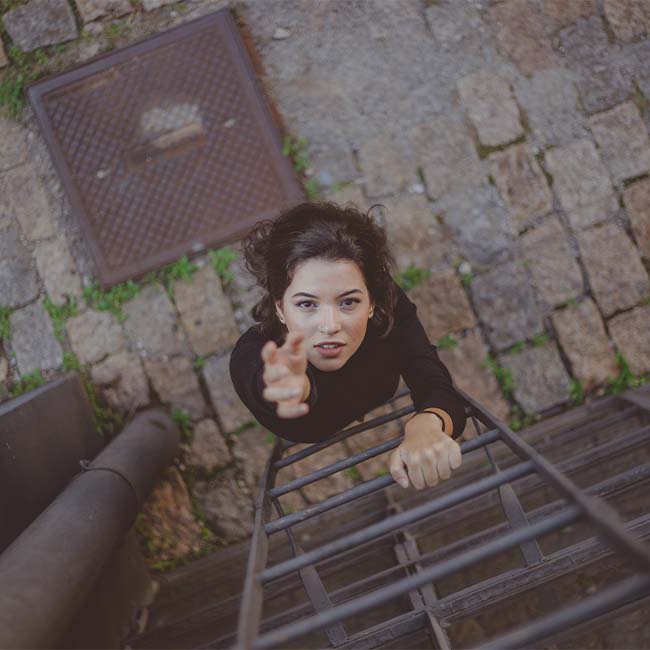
513, 510
397, 521
527, 527
600, 514
586, 610
353, 493
313, 585
252, 596
438, 571
498, 587
339, 437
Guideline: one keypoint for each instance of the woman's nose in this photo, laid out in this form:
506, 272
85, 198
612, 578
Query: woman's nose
329, 321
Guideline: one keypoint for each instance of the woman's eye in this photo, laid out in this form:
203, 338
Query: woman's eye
305, 302
351, 301
348, 302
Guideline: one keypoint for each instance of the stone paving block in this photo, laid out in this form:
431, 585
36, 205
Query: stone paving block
629, 19
631, 334
177, 385
151, 5
597, 66
521, 183
539, 377
243, 292
58, 270
4, 367
561, 13
614, 268
583, 338
415, 236
208, 450
333, 162
123, 382
18, 279
443, 306
582, 183
330, 485
168, 519
33, 341
39, 23
636, 198
94, 335
466, 363
230, 409
523, 34
490, 105
251, 449
151, 324
387, 167
228, 512
637, 60
22, 195
205, 312
14, 145
552, 264
364, 440
90, 10
462, 38
623, 141
447, 156
506, 304
550, 101
480, 225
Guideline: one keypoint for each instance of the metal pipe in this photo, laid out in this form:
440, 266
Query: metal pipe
52, 566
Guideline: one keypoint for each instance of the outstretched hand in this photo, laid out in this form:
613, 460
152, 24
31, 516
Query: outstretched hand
285, 378
427, 453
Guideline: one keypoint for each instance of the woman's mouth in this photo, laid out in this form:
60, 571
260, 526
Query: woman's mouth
329, 351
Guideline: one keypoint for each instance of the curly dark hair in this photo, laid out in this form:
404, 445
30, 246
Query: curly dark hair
273, 249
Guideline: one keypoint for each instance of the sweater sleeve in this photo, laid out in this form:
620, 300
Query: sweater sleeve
424, 373
246, 371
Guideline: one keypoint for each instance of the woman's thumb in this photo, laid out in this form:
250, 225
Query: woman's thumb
397, 469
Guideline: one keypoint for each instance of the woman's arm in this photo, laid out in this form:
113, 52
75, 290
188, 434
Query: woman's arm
423, 371
246, 373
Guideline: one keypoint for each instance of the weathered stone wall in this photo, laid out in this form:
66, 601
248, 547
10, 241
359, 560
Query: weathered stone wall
508, 143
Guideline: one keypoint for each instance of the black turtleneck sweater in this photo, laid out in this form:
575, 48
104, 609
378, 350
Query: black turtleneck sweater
368, 379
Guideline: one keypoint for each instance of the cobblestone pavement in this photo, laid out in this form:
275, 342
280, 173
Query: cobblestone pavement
508, 143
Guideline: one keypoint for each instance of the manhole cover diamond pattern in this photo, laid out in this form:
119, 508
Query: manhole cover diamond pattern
164, 147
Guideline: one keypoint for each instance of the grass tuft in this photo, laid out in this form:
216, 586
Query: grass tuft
411, 277
60, 314
221, 259
502, 375
5, 327
111, 300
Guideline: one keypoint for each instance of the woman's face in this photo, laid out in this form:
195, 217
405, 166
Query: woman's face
327, 301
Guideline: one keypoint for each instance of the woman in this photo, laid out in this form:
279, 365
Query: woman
334, 333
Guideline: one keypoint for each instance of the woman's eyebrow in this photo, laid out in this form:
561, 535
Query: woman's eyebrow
311, 295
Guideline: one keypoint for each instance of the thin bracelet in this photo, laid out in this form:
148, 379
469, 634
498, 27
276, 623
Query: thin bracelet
444, 424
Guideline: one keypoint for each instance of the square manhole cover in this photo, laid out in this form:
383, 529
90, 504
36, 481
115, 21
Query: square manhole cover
165, 147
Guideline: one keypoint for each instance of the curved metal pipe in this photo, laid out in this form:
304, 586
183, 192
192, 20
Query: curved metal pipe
48, 571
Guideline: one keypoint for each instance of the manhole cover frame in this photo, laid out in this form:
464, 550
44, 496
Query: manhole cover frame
257, 105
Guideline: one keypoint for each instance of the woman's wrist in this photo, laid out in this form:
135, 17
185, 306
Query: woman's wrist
439, 419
